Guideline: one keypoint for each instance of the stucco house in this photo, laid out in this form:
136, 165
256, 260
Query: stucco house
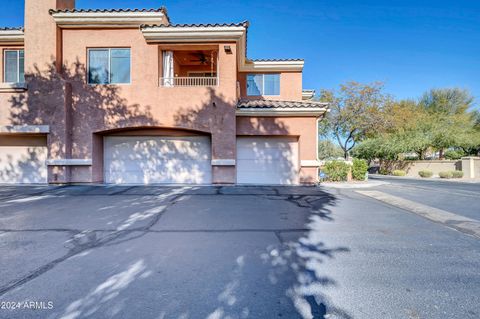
127, 96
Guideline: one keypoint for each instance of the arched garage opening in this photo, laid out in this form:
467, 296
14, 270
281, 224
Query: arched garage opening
157, 156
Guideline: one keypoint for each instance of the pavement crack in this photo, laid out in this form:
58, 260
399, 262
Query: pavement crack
87, 240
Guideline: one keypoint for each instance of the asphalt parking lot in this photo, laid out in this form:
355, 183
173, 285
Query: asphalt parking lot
228, 252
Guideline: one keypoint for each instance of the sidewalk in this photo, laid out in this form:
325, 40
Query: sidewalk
431, 179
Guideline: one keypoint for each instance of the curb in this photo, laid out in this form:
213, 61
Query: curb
351, 185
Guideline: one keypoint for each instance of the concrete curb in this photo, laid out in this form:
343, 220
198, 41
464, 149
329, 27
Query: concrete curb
432, 179
463, 224
346, 185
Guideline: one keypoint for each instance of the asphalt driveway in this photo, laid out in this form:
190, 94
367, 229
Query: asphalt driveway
227, 252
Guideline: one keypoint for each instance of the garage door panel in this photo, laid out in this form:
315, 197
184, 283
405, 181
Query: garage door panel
267, 160
153, 159
23, 164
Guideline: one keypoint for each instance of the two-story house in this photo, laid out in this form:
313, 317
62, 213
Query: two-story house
127, 96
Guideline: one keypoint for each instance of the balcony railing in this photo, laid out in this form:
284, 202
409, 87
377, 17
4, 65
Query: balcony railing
188, 81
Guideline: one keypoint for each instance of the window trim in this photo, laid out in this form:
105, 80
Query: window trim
109, 49
18, 64
262, 93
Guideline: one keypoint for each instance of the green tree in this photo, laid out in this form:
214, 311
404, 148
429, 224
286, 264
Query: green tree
440, 120
451, 119
328, 150
447, 101
355, 113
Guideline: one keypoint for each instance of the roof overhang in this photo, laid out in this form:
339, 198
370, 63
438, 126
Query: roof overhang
236, 33
280, 108
12, 37
288, 112
272, 66
206, 34
107, 19
308, 94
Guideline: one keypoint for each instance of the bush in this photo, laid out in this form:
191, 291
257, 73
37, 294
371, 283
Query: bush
457, 174
425, 173
336, 171
445, 174
454, 155
399, 172
383, 171
359, 169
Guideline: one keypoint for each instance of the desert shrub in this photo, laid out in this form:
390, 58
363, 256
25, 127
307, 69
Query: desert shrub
457, 174
454, 154
336, 171
399, 172
445, 174
425, 173
359, 169
383, 171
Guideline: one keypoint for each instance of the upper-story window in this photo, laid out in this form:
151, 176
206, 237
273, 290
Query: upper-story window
263, 84
109, 66
14, 66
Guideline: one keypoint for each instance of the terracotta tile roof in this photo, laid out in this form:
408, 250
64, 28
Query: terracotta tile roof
274, 60
196, 25
269, 104
11, 28
161, 9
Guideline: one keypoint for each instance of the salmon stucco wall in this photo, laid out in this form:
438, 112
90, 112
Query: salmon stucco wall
290, 86
98, 109
302, 127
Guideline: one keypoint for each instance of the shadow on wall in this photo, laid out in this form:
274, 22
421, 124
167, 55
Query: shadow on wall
81, 115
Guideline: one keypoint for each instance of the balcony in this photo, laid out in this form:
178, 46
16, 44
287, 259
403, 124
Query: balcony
189, 68
189, 81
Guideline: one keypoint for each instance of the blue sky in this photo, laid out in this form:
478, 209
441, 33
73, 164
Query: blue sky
412, 46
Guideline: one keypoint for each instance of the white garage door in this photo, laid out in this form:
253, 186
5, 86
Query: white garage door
157, 159
23, 160
267, 160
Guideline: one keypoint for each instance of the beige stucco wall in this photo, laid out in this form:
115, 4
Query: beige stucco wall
79, 115
290, 86
142, 103
436, 166
471, 167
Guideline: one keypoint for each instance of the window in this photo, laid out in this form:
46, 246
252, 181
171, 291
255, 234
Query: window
14, 66
263, 84
108, 66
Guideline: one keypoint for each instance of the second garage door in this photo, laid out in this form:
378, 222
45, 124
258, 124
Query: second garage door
267, 160
157, 159
23, 159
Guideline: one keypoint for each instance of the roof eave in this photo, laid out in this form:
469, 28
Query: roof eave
289, 112
107, 19
166, 34
272, 66
14, 37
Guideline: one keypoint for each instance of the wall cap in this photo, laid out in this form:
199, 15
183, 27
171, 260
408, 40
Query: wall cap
25, 129
69, 162
309, 163
223, 162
